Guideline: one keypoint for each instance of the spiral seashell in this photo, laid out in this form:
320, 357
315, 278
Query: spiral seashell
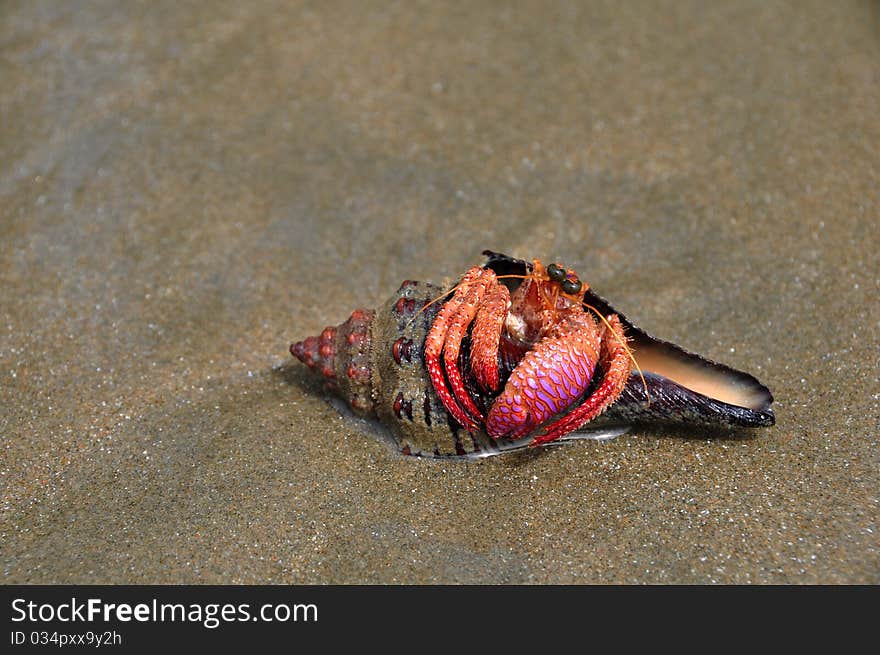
375, 362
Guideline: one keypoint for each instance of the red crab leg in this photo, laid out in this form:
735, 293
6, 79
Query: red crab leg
486, 334
616, 363
434, 346
458, 326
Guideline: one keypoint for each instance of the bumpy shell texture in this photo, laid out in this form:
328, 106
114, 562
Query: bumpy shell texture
374, 361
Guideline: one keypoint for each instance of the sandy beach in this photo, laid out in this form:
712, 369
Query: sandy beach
187, 188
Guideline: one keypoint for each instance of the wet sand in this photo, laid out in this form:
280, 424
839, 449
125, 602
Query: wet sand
186, 188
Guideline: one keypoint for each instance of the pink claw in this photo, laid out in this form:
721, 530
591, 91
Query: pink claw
548, 380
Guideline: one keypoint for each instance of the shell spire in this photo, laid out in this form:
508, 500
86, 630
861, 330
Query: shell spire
341, 354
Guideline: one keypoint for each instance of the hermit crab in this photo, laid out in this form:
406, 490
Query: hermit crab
517, 354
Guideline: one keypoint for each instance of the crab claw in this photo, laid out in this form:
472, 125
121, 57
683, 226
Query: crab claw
549, 379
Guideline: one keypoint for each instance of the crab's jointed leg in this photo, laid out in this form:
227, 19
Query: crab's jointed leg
458, 326
477, 287
486, 335
434, 346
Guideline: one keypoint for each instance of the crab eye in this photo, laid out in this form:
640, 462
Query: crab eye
572, 287
555, 273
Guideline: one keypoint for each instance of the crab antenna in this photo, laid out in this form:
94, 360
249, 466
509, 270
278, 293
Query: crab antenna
431, 302
625, 347
452, 291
